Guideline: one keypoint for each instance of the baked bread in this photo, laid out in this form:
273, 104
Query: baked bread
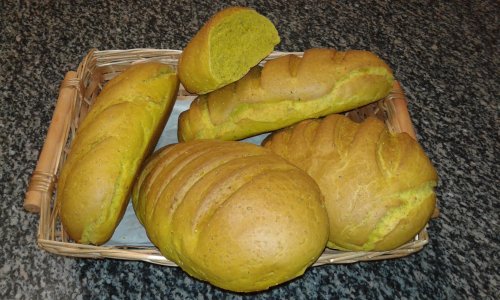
378, 186
231, 213
226, 47
120, 130
287, 90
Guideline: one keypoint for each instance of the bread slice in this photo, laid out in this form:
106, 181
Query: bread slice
226, 47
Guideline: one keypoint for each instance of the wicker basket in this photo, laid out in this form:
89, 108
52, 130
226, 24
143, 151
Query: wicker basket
78, 91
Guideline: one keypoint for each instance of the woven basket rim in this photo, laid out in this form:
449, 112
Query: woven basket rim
97, 67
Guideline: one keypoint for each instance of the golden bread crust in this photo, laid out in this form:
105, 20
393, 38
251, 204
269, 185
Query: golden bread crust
232, 213
119, 131
378, 186
285, 91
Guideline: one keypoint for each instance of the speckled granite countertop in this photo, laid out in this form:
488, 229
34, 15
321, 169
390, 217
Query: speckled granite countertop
445, 54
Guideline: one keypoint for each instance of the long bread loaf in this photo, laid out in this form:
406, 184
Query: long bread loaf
285, 91
119, 131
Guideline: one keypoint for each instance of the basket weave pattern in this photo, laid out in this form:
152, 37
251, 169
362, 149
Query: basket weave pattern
95, 70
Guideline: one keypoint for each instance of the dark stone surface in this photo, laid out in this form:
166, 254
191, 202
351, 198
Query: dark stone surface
444, 53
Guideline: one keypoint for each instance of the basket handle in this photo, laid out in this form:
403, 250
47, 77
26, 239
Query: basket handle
44, 176
399, 115
401, 118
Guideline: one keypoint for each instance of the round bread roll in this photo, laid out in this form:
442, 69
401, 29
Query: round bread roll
378, 186
231, 213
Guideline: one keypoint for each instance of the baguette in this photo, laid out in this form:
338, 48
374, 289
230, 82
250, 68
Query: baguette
226, 47
378, 186
120, 130
285, 91
231, 213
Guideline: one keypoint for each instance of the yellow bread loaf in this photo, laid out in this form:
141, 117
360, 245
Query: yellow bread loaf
120, 130
378, 186
231, 213
226, 47
285, 91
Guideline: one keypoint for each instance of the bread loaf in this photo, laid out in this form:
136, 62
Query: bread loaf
287, 90
226, 47
120, 130
378, 186
231, 213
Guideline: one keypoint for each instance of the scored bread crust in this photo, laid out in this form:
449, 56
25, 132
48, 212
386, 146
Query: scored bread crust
120, 130
378, 186
231, 213
287, 90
